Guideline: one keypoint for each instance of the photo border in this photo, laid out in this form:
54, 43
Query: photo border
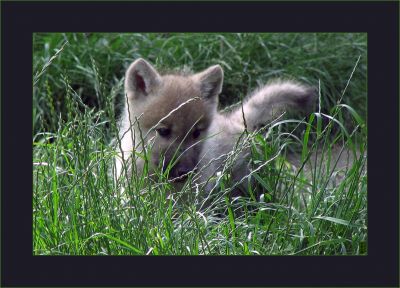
379, 268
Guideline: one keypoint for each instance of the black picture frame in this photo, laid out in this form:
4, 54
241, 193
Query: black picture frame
379, 19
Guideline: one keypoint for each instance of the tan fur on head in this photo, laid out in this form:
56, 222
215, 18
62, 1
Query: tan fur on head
173, 112
210, 81
141, 78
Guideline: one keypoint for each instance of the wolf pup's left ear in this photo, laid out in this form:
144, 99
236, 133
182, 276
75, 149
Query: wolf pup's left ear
141, 78
210, 81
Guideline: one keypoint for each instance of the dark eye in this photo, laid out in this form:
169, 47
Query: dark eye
196, 133
164, 132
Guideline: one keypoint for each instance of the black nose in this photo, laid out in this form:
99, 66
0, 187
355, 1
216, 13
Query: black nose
182, 171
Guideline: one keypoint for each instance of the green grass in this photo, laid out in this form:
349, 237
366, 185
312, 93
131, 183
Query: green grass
311, 206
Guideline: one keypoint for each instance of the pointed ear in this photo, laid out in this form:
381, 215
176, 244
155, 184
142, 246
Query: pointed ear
141, 78
210, 81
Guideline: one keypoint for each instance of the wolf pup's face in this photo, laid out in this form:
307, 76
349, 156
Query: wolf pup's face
173, 113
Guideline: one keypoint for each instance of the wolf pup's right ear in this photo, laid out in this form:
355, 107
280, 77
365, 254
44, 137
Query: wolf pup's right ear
141, 78
210, 81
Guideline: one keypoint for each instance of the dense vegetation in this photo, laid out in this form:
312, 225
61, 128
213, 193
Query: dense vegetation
311, 192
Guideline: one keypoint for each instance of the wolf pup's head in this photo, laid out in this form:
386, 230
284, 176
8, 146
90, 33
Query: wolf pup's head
173, 112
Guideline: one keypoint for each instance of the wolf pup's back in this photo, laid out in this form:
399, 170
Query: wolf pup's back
226, 141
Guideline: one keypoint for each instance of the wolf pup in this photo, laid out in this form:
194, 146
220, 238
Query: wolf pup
176, 118
166, 115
